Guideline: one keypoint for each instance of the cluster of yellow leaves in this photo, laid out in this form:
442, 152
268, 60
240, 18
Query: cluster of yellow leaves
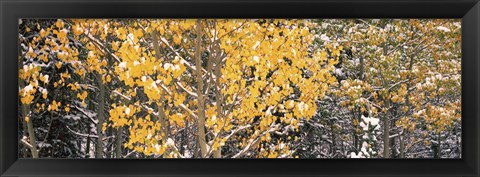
138, 67
144, 136
29, 73
439, 118
27, 94
270, 75
352, 90
274, 75
121, 115
246, 45
54, 106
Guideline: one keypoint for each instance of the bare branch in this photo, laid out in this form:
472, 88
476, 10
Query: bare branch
81, 134
24, 142
84, 113
254, 141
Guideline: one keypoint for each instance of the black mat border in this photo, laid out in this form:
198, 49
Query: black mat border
468, 10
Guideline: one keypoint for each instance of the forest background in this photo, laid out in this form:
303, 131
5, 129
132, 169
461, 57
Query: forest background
233, 88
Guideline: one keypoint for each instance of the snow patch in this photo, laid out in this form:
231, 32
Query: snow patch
256, 59
444, 29
324, 37
123, 65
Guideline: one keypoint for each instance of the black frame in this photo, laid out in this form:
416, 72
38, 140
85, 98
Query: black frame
468, 10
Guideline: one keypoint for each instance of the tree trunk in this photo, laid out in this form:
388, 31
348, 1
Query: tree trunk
164, 127
219, 97
355, 135
386, 121
358, 109
184, 142
25, 112
402, 146
100, 115
459, 143
161, 111
218, 153
362, 66
332, 146
407, 103
109, 148
201, 107
386, 137
31, 134
118, 143
393, 150
87, 148
439, 147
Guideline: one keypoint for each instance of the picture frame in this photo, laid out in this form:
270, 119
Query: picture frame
467, 10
